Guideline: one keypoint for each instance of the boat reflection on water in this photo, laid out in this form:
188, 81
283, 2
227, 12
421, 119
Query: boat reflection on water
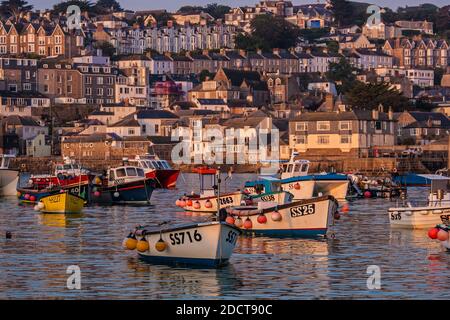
169, 282
59, 220
413, 237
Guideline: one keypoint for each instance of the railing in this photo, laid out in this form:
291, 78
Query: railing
421, 203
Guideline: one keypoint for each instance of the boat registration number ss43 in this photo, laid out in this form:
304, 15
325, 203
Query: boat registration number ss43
178, 238
304, 210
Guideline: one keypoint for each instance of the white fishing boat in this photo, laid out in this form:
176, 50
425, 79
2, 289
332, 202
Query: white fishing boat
303, 218
206, 200
207, 243
278, 197
434, 211
8, 177
295, 178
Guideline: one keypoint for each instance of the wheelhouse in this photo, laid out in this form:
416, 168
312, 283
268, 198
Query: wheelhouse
5, 161
126, 172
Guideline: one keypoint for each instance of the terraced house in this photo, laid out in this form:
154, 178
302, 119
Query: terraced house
42, 40
344, 132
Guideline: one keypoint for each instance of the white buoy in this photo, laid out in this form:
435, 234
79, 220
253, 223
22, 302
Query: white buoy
116, 194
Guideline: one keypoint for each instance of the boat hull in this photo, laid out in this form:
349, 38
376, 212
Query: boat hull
134, 192
62, 203
226, 200
26, 194
304, 218
418, 217
167, 178
207, 244
281, 197
8, 182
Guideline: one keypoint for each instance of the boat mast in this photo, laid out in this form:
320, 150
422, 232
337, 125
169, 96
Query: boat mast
218, 193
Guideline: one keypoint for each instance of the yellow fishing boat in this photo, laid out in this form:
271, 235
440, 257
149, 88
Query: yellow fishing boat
61, 203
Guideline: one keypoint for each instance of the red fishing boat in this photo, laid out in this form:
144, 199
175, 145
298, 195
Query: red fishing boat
165, 176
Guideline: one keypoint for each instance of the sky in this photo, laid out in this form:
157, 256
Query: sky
173, 5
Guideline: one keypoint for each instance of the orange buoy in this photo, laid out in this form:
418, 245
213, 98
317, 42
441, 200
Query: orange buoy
160, 245
248, 224
208, 204
130, 242
142, 245
197, 205
229, 219
189, 203
345, 208
297, 186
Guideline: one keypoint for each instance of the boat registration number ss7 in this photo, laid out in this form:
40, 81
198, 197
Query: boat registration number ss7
178, 238
303, 210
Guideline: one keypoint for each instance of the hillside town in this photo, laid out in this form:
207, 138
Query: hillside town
122, 82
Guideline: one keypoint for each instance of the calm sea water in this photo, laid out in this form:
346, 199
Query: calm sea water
33, 264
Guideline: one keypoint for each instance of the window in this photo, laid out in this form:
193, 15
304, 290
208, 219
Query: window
323, 140
156, 128
323, 125
131, 172
27, 86
345, 125
131, 131
346, 139
301, 126
120, 172
377, 125
301, 139
414, 132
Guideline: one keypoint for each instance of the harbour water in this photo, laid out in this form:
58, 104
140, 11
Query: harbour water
34, 262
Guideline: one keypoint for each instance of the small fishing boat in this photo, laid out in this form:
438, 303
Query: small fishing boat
278, 197
295, 178
33, 193
376, 187
206, 201
303, 218
434, 211
8, 177
123, 185
165, 176
63, 202
207, 243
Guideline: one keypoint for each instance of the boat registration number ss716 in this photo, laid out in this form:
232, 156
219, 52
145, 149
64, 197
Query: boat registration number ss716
303, 210
178, 238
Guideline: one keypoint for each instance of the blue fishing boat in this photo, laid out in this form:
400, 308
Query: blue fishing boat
124, 185
412, 180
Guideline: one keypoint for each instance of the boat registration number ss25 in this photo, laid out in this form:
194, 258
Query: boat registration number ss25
303, 210
178, 238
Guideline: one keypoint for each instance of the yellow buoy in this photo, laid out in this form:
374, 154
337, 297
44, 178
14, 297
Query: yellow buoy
131, 243
142, 245
160, 245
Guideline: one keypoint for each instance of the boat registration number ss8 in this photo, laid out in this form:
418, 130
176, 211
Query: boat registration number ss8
178, 238
303, 210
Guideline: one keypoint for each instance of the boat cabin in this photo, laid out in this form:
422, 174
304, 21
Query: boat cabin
208, 180
125, 174
265, 185
69, 168
5, 160
439, 188
151, 162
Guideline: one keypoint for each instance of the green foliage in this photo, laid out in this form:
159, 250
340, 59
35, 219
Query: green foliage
13, 8
269, 32
313, 34
61, 8
344, 73
107, 6
438, 74
217, 11
369, 96
162, 18
106, 47
442, 23
348, 13
333, 46
204, 74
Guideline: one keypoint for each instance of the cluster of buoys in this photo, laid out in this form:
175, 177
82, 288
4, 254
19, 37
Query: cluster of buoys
182, 202
248, 224
439, 232
142, 245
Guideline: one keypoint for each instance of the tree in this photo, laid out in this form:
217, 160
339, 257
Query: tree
162, 18
341, 11
438, 74
204, 74
84, 5
14, 8
370, 96
344, 73
443, 20
217, 11
106, 47
269, 32
107, 6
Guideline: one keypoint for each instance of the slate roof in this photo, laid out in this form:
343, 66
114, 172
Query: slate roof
337, 116
155, 114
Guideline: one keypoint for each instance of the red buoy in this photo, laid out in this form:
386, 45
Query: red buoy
442, 235
262, 219
433, 232
229, 220
248, 224
345, 208
32, 198
367, 194
189, 203
297, 186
